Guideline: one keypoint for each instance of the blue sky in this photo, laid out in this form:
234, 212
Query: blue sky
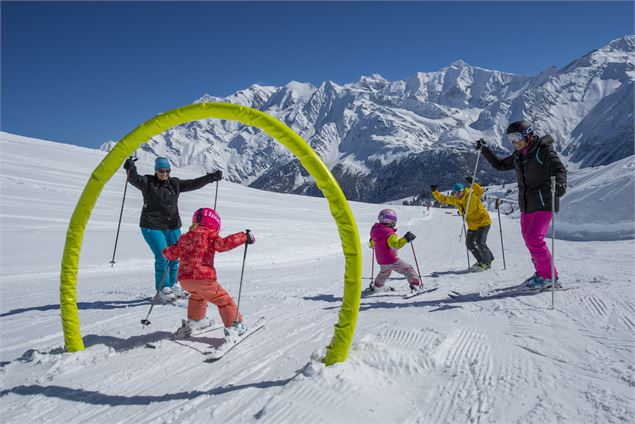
84, 73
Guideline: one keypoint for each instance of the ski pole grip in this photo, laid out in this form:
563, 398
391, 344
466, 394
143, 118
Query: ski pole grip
498, 202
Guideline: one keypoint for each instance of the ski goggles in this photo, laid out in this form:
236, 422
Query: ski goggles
516, 137
163, 171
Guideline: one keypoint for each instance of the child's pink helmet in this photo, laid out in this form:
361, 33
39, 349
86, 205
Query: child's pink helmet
207, 217
387, 216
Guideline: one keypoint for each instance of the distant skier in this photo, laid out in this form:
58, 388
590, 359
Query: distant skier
385, 241
476, 217
196, 250
160, 221
535, 162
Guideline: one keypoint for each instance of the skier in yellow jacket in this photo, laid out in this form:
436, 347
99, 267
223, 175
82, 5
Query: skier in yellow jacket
476, 217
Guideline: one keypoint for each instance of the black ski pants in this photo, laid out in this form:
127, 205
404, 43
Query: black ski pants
476, 242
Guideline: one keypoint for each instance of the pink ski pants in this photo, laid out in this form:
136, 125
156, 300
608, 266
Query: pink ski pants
534, 226
400, 267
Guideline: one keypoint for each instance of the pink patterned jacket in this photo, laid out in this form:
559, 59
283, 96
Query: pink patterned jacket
196, 250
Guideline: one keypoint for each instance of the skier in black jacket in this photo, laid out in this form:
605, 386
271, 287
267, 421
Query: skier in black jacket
535, 162
160, 221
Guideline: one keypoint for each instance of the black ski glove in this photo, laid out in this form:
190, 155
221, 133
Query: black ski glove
481, 144
251, 239
469, 180
215, 176
129, 163
409, 236
433, 188
560, 189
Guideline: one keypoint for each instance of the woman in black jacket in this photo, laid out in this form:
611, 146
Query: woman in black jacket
535, 162
160, 221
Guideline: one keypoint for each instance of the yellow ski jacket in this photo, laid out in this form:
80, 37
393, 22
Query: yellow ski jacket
477, 216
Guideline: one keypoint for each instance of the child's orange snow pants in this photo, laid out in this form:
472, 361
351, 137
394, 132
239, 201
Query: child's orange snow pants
203, 291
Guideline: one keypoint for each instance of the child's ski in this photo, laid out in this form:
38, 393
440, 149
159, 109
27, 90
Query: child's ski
429, 275
181, 335
369, 292
418, 292
226, 347
184, 331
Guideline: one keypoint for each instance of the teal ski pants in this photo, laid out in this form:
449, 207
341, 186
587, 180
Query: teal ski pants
159, 240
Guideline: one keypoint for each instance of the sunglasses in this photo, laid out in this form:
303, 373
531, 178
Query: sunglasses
163, 171
515, 138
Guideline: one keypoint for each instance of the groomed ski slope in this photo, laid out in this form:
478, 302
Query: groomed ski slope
430, 359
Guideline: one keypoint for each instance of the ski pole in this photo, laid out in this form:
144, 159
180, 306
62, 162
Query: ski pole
216, 195
125, 188
500, 227
462, 230
467, 207
416, 262
242, 271
553, 242
165, 273
469, 196
372, 269
467, 250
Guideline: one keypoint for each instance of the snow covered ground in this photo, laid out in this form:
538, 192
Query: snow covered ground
485, 357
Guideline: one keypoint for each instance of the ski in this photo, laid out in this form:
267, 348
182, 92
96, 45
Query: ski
536, 291
227, 347
183, 332
367, 292
179, 335
213, 345
414, 293
429, 275
503, 292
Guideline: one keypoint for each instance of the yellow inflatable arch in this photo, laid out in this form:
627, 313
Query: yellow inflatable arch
345, 327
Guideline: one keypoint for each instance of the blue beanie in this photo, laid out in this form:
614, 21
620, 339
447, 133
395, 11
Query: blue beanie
161, 163
458, 187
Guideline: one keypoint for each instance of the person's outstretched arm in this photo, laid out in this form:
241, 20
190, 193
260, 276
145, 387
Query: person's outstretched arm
196, 183
223, 244
505, 164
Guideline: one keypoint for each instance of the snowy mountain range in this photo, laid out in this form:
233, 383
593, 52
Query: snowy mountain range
490, 355
385, 139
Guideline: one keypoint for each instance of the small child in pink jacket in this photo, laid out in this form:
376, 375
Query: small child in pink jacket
386, 242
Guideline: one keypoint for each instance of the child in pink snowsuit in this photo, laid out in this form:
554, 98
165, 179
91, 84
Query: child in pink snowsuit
385, 243
196, 250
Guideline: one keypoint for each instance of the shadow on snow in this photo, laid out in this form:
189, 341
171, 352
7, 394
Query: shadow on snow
98, 398
102, 304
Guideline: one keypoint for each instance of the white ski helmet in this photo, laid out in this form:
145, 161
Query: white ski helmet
388, 217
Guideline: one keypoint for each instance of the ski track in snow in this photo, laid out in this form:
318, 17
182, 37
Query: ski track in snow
488, 356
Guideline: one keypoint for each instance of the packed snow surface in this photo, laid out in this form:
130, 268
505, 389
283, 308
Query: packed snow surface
485, 357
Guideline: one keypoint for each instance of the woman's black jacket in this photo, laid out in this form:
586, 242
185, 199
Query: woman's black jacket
534, 171
160, 198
